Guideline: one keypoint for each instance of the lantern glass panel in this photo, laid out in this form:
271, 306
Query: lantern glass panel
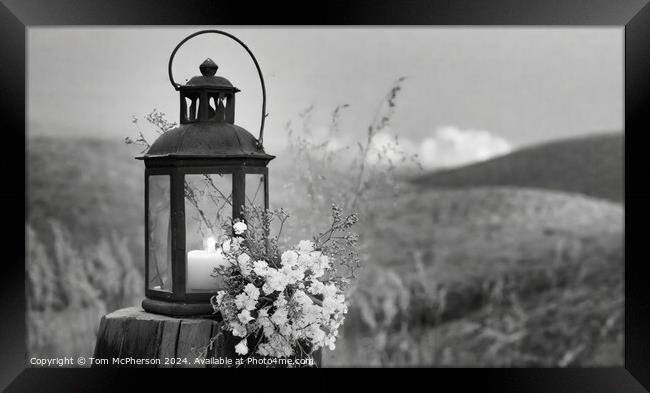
255, 189
159, 234
208, 204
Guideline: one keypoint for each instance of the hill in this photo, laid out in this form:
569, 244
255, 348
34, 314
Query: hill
465, 239
489, 226
590, 165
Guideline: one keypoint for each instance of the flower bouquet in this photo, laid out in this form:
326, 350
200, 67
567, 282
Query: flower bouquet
285, 303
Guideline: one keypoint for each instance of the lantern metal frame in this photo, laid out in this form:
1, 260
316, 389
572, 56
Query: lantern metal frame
207, 158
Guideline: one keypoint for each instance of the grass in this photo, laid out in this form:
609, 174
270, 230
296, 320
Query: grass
500, 277
65, 332
563, 314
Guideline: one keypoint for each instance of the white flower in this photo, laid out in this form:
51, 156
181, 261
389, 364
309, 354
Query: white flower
236, 243
306, 246
231, 245
318, 334
277, 346
260, 268
244, 264
275, 280
247, 300
238, 329
264, 349
289, 258
317, 272
242, 347
301, 298
225, 246
292, 274
279, 317
265, 321
329, 290
316, 287
244, 316
330, 306
306, 259
239, 228
252, 291
220, 296
263, 313
280, 302
323, 262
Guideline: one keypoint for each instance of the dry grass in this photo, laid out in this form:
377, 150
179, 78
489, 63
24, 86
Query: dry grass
69, 288
567, 314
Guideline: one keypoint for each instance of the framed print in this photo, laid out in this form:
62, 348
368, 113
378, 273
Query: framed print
357, 185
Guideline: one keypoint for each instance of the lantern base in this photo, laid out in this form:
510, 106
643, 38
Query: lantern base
177, 309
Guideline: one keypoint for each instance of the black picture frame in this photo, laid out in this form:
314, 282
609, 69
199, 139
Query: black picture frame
16, 16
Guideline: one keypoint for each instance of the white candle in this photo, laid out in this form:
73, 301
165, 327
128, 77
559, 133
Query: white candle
201, 265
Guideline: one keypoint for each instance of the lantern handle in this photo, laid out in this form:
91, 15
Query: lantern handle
257, 66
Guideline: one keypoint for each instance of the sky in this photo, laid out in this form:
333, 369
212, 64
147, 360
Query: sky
470, 93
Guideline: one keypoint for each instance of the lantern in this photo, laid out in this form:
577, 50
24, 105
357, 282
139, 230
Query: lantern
198, 175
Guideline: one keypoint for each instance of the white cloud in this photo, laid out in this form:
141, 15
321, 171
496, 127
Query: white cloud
447, 146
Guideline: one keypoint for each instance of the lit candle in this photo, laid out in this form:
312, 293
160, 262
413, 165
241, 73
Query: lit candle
201, 265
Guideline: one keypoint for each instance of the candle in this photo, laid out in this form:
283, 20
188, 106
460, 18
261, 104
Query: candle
201, 265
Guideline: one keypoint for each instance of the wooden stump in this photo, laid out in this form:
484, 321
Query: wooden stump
131, 337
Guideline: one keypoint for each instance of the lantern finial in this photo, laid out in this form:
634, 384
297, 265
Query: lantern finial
208, 67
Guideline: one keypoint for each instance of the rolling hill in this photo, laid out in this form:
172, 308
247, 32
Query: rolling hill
590, 165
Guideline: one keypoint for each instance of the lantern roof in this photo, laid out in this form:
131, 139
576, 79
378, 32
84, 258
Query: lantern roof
207, 140
208, 79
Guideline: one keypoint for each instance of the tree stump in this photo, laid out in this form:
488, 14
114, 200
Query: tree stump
131, 337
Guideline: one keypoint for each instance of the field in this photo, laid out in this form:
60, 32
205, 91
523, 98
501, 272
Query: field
502, 277
463, 274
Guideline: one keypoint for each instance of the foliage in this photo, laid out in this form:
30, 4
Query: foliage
338, 169
157, 120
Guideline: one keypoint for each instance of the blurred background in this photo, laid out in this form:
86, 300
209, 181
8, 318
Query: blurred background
486, 165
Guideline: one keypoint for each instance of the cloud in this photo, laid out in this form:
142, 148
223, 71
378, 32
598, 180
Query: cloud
447, 146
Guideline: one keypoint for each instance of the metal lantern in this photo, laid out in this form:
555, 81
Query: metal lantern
196, 176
